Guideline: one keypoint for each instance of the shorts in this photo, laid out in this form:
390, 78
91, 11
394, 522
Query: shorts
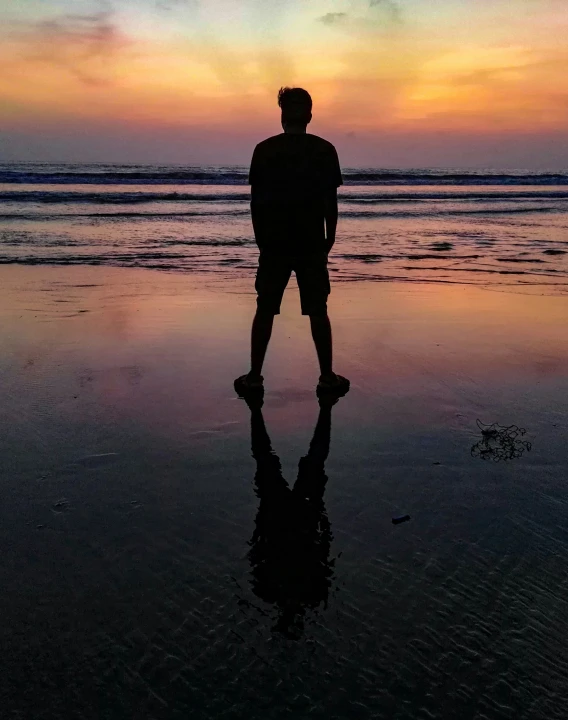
311, 273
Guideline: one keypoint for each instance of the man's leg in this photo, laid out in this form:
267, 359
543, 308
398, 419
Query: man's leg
321, 333
259, 339
329, 382
271, 280
313, 281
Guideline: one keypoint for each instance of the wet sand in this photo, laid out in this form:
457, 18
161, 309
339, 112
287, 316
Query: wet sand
152, 569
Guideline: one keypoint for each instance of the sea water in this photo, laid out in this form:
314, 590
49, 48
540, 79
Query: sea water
484, 227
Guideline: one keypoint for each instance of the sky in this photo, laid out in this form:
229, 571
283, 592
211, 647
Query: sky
395, 83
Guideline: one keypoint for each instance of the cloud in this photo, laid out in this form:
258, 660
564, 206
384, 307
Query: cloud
167, 5
379, 13
332, 18
83, 44
390, 7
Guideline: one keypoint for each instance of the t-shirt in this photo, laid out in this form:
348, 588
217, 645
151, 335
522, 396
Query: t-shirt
290, 175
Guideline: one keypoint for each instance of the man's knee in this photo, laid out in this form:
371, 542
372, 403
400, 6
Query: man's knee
319, 317
264, 315
315, 307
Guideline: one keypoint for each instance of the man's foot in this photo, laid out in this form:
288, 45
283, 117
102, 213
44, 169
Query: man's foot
247, 385
332, 384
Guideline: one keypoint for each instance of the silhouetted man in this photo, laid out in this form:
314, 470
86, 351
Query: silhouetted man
294, 178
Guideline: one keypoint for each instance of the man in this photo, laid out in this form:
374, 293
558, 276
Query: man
294, 178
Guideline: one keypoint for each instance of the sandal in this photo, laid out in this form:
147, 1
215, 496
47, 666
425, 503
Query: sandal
245, 386
337, 385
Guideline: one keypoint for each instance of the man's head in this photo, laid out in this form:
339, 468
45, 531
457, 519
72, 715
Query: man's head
296, 105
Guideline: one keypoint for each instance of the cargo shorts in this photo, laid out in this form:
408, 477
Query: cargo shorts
274, 272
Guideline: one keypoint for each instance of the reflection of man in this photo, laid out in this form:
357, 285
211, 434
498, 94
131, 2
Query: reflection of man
294, 178
290, 547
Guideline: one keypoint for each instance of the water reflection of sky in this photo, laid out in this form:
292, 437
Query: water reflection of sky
163, 352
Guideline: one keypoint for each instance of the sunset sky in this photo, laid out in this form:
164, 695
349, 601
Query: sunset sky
407, 83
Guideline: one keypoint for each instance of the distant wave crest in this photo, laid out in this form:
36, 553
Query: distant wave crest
98, 174
362, 199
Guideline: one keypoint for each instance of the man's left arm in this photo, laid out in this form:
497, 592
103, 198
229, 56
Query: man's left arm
254, 213
253, 182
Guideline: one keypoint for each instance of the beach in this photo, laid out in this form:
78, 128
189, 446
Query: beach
134, 581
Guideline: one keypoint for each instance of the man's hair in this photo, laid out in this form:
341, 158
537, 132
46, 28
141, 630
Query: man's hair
296, 105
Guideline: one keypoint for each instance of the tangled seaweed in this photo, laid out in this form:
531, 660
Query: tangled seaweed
499, 442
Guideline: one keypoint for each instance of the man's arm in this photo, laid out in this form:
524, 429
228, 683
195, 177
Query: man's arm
330, 214
253, 182
255, 216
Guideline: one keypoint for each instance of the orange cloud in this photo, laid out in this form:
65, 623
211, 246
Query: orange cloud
83, 45
476, 87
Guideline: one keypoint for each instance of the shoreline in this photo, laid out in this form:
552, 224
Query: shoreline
218, 278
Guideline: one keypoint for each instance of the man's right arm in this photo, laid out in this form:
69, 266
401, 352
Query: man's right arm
333, 172
330, 214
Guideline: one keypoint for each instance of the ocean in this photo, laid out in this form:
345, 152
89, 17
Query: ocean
482, 227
